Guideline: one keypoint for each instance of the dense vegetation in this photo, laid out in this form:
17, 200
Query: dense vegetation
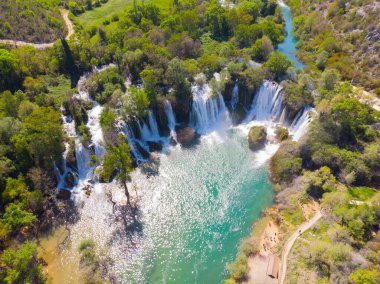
164, 50
337, 162
31, 20
340, 35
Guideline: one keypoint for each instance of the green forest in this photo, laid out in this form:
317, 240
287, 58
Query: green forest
132, 59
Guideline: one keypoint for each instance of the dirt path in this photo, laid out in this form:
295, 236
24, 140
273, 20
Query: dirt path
290, 242
68, 23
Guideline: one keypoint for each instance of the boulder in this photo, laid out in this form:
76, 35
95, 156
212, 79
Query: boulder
186, 135
154, 146
257, 137
64, 194
70, 179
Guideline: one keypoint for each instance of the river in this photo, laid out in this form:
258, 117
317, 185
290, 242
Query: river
197, 203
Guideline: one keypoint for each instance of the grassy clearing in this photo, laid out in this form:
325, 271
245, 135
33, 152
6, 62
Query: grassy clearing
97, 16
362, 193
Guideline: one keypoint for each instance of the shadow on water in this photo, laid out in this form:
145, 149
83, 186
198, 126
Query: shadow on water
129, 217
151, 167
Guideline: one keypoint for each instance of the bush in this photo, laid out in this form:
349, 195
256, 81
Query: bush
278, 64
281, 134
20, 265
364, 276
286, 163
257, 137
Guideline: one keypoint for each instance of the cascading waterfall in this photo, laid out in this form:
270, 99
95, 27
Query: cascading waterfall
63, 171
132, 141
171, 119
235, 96
268, 107
149, 131
208, 111
267, 104
300, 123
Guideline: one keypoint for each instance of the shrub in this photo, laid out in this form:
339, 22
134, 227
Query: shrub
257, 137
278, 64
286, 163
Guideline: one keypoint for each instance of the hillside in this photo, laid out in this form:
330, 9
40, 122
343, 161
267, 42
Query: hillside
31, 20
342, 35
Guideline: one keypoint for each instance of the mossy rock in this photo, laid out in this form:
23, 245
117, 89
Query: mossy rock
281, 134
257, 137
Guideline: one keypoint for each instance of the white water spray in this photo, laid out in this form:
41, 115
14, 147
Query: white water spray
235, 96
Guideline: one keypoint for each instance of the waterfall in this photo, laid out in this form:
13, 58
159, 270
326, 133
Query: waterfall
300, 123
208, 111
95, 128
149, 131
235, 96
171, 119
268, 107
132, 141
69, 129
267, 103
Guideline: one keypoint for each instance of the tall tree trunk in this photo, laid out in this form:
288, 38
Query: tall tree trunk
127, 193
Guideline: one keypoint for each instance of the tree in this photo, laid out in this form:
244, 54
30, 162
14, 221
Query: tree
135, 103
217, 21
176, 76
21, 266
352, 115
364, 276
15, 217
8, 67
319, 181
8, 104
262, 49
44, 135
329, 79
278, 63
117, 160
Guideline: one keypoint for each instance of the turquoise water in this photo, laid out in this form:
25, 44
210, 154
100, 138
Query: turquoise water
288, 47
197, 209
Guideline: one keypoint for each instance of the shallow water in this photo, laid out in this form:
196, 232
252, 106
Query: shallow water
288, 47
197, 208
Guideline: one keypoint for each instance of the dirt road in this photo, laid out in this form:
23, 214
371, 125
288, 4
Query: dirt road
68, 23
290, 242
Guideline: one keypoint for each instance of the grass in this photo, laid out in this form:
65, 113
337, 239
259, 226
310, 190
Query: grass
98, 15
362, 193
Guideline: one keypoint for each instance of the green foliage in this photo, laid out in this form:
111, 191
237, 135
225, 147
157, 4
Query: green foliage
319, 182
135, 103
102, 85
278, 64
257, 137
329, 79
117, 160
15, 217
297, 95
362, 193
43, 132
286, 163
239, 269
364, 276
8, 69
20, 265
262, 49
352, 116
281, 134
22, 23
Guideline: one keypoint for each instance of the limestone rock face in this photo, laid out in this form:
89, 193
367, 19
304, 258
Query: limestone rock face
257, 137
186, 135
